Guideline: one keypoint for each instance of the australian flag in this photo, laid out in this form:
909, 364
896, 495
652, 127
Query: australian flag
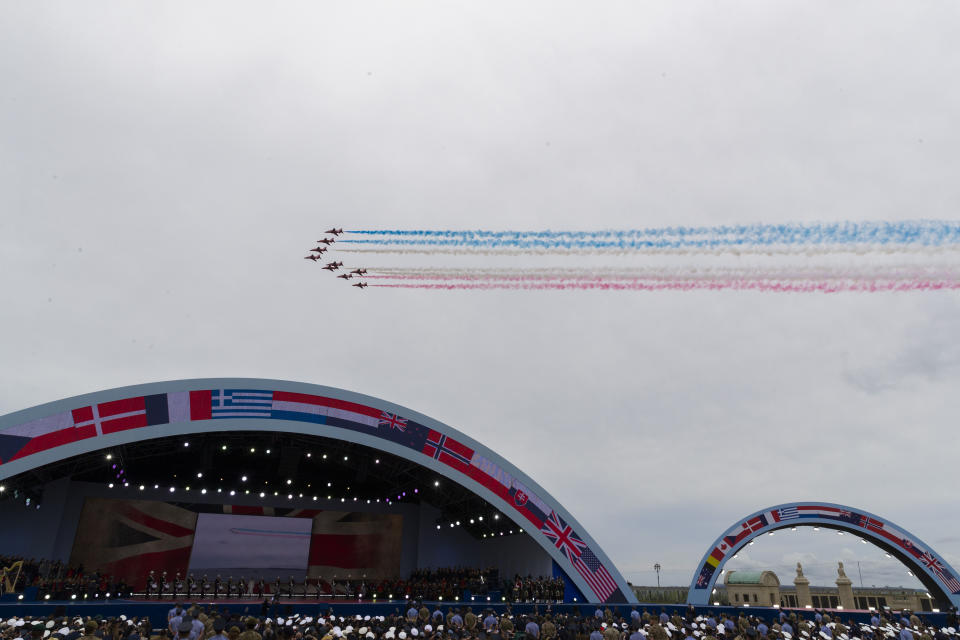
704, 578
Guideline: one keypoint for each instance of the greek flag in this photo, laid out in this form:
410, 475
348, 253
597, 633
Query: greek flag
240, 403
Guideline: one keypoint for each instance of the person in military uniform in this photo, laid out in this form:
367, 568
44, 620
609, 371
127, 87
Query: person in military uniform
229, 586
204, 585
261, 588
218, 626
241, 587
318, 587
506, 626
548, 630
191, 585
290, 586
276, 588
250, 632
89, 629
177, 585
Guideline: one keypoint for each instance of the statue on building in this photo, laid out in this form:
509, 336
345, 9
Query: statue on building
799, 570
840, 572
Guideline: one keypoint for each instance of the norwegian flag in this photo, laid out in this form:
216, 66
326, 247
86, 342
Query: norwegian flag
563, 537
447, 450
393, 421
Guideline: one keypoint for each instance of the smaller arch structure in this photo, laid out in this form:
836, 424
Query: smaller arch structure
942, 580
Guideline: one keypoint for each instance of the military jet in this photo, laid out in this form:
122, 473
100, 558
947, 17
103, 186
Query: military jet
361, 285
334, 231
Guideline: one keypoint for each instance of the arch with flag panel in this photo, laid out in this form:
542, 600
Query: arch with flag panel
934, 572
47, 433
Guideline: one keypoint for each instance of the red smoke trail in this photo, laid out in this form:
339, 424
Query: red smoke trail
687, 285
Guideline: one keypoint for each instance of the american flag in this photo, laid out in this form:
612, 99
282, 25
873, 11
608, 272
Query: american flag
562, 536
240, 403
393, 421
952, 583
595, 574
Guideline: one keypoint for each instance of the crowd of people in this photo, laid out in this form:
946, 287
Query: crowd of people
57, 581
420, 622
426, 584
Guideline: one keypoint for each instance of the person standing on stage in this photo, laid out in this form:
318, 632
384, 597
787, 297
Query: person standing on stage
229, 586
191, 585
318, 587
276, 588
177, 585
261, 588
241, 587
291, 585
204, 584
217, 582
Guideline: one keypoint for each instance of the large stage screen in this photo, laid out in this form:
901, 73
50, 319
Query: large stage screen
251, 546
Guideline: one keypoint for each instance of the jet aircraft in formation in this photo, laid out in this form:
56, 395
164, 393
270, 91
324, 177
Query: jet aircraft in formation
317, 252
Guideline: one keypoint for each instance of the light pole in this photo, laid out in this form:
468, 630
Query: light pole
656, 568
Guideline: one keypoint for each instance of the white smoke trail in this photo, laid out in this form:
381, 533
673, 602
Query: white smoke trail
726, 251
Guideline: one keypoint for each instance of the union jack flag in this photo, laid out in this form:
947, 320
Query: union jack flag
562, 536
392, 421
937, 568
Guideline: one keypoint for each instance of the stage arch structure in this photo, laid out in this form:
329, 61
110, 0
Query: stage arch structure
61, 429
940, 579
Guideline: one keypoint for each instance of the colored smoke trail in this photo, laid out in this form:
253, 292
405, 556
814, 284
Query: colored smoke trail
814, 272
739, 250
689, 285
921, 255
924, 233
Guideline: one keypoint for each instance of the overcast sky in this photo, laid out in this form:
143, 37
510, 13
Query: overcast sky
164, 166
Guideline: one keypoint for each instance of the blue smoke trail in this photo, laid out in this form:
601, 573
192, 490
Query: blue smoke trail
930, 233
